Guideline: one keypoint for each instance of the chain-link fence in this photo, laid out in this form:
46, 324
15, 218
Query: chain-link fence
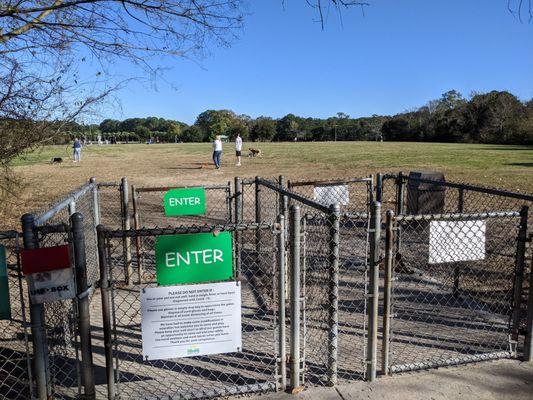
149, 212
444, 281
452, 281
415, 194
15, 349
252, 369
333, 257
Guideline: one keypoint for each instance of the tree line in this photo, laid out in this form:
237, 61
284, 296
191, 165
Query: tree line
494, 117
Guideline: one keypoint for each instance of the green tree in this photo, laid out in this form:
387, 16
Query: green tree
263, 129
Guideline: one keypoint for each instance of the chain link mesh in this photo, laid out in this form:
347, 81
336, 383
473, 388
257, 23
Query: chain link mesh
411, 196
15, 350
254, 369
151, 213
332, 296
452, 291
60, 321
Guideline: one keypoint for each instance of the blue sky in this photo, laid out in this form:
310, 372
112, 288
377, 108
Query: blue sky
396, 56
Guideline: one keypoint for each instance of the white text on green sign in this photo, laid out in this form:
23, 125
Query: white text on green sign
186, 201
194, 258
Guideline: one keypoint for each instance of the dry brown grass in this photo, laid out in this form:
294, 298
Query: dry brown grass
43, 183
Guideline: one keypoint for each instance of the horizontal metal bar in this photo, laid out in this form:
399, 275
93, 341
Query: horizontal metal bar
9, 235
182, 230
57, 228
247, 181
457, 216
109, 184
41, 219
450, 361
355, 215
294, 196
473, 188
329, 182
167, 188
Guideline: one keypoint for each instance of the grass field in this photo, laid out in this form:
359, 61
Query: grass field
509, 167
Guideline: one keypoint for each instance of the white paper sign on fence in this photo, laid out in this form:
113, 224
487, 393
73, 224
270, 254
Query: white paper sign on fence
328, 195
191, 320
49, 286
453, 241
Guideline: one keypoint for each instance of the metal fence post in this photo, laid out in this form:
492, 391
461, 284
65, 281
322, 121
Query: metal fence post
281, 303
519, 270
228, 203
528, 342
238, 219
295, 295
124, 190
258, 217
96, 203
136, 226
84, 314
38, 328
105, 289
284, 202
379, 188
333, 283
400, 187
373, 291
71, 208
387, 291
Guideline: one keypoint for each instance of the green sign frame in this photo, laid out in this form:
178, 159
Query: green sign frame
185, 201
194, 258
5, 304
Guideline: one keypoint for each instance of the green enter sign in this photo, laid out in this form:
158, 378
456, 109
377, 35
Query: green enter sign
189, 201
5, 306
194, 258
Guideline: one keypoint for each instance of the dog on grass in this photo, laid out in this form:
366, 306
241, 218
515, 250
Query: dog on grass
255, 152
56, 160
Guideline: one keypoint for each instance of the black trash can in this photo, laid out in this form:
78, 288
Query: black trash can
425, 198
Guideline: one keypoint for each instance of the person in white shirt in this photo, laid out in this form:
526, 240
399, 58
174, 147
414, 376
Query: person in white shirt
238, 149
217, 151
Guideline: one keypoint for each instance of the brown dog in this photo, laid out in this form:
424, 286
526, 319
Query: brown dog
254, 152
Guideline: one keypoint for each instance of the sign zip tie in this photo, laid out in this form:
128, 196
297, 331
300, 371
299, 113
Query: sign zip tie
88, 292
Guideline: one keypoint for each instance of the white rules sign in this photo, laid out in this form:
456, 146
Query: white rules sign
191, 320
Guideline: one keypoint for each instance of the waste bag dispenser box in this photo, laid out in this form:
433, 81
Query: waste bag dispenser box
425, 197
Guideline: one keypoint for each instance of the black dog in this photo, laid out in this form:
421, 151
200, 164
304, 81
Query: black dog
56, 160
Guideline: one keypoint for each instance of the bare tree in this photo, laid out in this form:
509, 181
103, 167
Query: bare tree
43, 45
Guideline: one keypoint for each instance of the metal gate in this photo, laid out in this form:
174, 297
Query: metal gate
253, 369
333, 253
15, 353
453, 287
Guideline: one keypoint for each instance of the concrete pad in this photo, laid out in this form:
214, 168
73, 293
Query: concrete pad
493, 380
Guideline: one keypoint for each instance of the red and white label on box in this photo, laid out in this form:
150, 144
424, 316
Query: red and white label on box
50, 276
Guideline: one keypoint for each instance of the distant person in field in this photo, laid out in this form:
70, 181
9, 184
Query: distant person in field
217, 151
238, 149
77, 150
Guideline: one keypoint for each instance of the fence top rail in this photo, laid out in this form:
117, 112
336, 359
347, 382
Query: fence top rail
109, 184
9, 235
464, 186
247, 181
50, 213
458, 216
178, 230
329, 182
294, 196
167, 188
